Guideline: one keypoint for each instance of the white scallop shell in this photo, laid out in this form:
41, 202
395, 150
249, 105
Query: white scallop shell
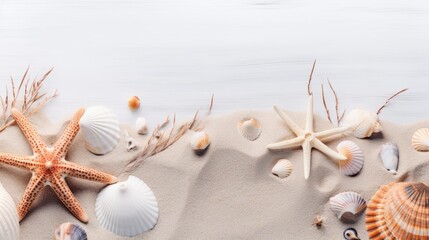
100, 129
282, 169
250, 129
347, 206
70, 231
354, 162
389, 154
420, 140
127, 208
141, 126
9, 221
200, 141
363, 123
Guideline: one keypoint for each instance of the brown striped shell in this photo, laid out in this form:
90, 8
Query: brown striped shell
399, 211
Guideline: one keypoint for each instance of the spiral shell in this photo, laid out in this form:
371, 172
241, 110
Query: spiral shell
9, 221
362, 123
354, 162
347, 206
70, 231
282, 169
389, 154
420, 140
250, 129
200, 141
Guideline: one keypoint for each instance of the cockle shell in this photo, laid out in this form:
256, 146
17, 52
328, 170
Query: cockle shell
362, 123
354, 162
141, 126
347, 206
100, 129
399, 211
250, 129
70, 231
134, 103
420, 140
282, 169
200, 141
127, 208
389, 154
9, 221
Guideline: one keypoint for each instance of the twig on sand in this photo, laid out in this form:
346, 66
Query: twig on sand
390, 98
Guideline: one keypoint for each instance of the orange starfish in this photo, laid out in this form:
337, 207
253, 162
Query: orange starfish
49, 167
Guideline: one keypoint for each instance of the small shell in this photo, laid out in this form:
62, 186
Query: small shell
354, 162
420, 140
347, 206
9, 221
131, 142
363, 123
134, 103
200, 141
70, 231
389, 154
250, 129
141, 126
282, 169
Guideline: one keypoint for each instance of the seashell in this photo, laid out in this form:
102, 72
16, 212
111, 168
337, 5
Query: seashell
389, 154
250, 129
363, 123
9, 221
350, 234
127, 208
100, 130
347, 206
354, 162
70, 231
420, 140
141, 126
200, 141
134, 103
399, 210
131, 142
282, 169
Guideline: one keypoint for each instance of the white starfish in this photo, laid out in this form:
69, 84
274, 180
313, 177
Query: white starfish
307, 138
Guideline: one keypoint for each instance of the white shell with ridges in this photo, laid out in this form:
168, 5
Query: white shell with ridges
127, 208
100, 129
200, 141
282, 169
141, 126
420, 140
354, 162
347, 206
9, 221
250, 129
389, 154
70, 231
362, 123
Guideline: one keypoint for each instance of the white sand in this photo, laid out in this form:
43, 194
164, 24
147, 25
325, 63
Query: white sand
229, 192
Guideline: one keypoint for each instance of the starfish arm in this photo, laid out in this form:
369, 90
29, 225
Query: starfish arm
306, 149
309, 117
75, 170
319, 145
63, 143
33, 189
292, 125
331, 132
66, 196
290, 143
33, 138
23, 162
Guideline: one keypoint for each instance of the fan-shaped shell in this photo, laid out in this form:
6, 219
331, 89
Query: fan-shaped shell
100, 129
362, 123
389, 154
127, 208
354, 162
200, 141
347, 206
282, 169
250, 129
399, 211
420, 140
70, 231
9, 221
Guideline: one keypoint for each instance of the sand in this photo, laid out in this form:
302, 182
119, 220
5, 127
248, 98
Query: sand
229, 192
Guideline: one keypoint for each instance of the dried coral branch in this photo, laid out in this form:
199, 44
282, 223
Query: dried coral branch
388, 100
328, 114
337, 108
32, 98
310, 78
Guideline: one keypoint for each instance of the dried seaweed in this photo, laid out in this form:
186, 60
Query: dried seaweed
390, 98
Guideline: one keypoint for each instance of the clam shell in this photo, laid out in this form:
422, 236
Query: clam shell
200, 141
250, 129
399, 211
347, 206
9, 221
420, 140
362, 123
70, 231
100, 129
141, 126
354, 162
282, 169
127, 208
134, 103
389, 154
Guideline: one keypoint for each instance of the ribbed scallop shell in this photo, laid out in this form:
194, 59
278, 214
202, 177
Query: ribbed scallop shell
127, 208
399, 211
200, 141
9, 221
100, 129
347, 206
389, 154
420, 140
282, 169
250, 129
70, 231
354, 162
363, 123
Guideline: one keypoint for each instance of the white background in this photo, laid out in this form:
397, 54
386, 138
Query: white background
250, 53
